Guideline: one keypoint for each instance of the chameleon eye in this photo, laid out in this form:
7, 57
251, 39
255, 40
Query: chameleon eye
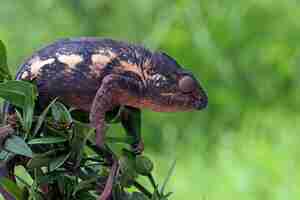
187, 84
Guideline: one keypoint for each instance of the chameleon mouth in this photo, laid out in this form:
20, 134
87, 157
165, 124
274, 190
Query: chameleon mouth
174, 102
202, 103
183, 102
200, 99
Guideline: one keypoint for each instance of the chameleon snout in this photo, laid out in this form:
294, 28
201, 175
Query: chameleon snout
202, 102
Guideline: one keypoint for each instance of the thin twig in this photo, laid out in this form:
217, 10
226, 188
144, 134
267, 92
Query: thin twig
142, 189
152, 181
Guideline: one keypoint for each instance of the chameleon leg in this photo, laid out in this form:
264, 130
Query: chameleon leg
115, 90
131, 121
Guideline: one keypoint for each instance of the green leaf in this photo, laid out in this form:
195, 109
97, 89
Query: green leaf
66, 184
42, 117
135, 119
48, 178
127, 140
138, 196
86, 184
4, 71
81, 133
143, 165
155, 196
28, 109
23, 177
20, 118
18, 92
127, 168
170, 172
38, 161
14, 96
79, 115
59, 161
166, 196
35, 196
60, 113
47, 140
44, 159
23, 95
4, 155
84, 195
114, 115
132, 122
18, 146
12, 188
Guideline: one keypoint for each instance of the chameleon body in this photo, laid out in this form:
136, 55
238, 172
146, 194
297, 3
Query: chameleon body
96, 75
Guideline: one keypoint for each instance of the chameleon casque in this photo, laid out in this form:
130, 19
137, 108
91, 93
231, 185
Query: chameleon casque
96, 75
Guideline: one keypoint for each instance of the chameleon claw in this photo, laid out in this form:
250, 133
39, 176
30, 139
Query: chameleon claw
138, 148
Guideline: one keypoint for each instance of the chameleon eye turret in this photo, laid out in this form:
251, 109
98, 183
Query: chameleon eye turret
187, 84
172, 88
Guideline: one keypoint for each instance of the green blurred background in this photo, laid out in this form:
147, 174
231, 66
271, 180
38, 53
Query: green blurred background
245, 145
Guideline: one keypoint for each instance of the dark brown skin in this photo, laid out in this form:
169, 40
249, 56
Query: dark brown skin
97, 75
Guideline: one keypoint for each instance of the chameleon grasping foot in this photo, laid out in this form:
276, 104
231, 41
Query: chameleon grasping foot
114, 90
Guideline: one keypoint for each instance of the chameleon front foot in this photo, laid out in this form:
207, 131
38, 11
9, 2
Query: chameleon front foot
138, 148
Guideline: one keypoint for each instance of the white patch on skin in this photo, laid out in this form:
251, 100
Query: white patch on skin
101, 51
147, 66
70, 60
131, 67
25, 75
100, 59
37, 64
158, 78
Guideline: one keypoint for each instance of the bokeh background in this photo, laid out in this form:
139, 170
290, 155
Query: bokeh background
245, 145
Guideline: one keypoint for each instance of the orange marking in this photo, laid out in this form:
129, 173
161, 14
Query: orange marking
70, 60
37, 64
131, 67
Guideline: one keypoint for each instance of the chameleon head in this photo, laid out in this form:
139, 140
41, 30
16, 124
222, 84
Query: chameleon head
172, 88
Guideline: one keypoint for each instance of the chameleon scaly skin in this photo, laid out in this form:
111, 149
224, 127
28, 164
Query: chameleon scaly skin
96, 75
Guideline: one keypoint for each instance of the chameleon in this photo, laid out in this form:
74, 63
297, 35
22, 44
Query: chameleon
96, 75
